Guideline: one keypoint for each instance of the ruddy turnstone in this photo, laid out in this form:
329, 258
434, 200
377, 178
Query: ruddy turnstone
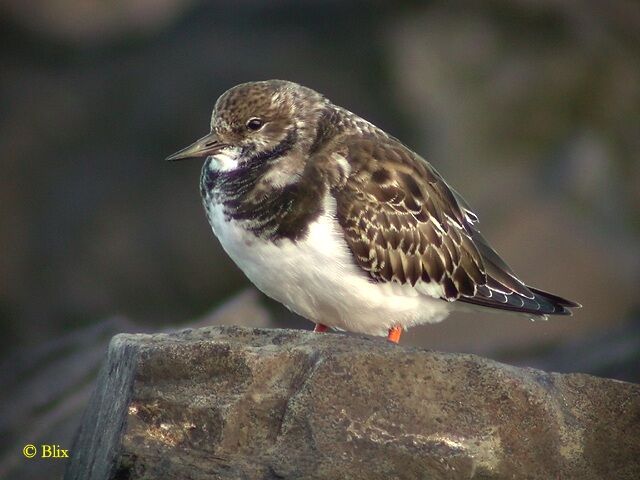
342, 223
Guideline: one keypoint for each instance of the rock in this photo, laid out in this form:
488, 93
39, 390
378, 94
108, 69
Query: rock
230, 402
45, 389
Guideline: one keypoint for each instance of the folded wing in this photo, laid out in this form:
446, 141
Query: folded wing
404, 224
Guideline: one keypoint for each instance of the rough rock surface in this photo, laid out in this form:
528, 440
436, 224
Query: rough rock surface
229, 402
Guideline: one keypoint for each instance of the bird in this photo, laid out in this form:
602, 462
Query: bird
341, 222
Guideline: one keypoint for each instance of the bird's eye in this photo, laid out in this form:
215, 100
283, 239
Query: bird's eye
254, 124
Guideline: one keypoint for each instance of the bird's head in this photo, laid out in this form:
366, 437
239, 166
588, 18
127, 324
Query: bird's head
258, 121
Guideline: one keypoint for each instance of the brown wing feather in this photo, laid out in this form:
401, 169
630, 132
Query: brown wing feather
404, 224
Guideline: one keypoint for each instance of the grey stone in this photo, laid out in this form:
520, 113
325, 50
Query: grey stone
230, 402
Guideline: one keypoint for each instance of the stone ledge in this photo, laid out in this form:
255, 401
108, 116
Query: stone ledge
230, 402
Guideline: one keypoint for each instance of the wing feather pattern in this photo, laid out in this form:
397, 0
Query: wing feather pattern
404, 224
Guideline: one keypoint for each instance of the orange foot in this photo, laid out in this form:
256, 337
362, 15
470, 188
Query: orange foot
320, 328
394, 334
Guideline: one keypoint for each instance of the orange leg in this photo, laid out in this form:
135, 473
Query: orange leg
394, 334
320, 328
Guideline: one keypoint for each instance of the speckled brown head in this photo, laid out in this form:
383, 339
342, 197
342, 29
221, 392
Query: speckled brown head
258, 117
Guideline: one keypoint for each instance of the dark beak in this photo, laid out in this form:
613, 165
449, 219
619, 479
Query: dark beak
207, 145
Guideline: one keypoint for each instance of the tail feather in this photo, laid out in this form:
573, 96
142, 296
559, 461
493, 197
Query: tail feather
505, 291
562, 305
542, 303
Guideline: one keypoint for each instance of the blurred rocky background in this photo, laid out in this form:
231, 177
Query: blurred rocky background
531, 109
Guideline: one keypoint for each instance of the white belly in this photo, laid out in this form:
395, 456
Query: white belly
317, 278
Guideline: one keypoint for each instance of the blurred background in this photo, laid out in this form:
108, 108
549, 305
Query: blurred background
531, 109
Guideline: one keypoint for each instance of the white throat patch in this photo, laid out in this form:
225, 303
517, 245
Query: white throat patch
225, 160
